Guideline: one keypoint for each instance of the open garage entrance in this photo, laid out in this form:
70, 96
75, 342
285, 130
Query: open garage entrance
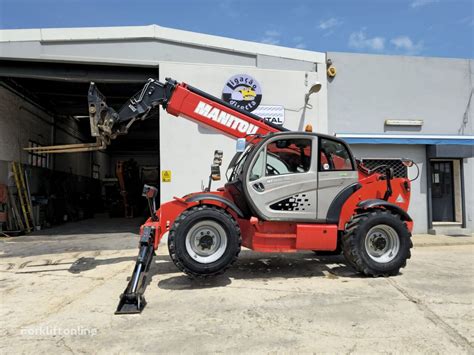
46, 104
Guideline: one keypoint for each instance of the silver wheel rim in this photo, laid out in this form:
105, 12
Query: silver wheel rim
382, 243
206, 242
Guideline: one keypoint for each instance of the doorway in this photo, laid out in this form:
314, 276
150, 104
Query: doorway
442, 191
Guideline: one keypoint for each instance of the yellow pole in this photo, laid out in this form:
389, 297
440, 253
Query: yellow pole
22, 203
25, 192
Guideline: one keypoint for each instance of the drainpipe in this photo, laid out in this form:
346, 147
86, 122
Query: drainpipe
463, 200
428, 189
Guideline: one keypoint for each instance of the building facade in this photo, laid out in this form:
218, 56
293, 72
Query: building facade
48, 70
419, 108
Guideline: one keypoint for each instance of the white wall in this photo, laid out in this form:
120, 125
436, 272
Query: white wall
19, 123
368, 89
187, 149
418, 209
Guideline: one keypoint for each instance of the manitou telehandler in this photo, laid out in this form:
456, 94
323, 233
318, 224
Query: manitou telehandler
286, 191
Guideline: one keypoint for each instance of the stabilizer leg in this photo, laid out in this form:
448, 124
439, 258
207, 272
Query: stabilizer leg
132, 299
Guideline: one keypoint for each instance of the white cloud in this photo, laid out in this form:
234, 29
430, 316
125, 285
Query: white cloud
270, 40
271, 37
469, 21
272, 33
299, 42
359, 40
329, 23
421, 3
406, 45
328, 33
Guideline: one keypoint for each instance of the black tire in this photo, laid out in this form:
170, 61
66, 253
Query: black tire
184, 224
356, 251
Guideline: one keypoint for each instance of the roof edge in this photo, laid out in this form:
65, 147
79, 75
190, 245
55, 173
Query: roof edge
160, 33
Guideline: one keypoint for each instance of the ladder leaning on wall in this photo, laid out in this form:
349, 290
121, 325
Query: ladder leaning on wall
23, 195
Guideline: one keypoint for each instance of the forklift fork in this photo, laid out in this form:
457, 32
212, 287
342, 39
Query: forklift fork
69, 148
132, 299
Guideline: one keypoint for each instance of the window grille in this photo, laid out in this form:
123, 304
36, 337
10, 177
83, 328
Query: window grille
399, 170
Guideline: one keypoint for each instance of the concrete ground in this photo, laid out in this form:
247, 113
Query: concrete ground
59, 289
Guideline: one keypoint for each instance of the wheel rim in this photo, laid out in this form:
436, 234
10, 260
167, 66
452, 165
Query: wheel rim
206, 242
382, 243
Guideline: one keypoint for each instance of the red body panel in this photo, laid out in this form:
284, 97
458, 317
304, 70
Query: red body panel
316, 236
267, 236
374, 188
186, 103
258, 235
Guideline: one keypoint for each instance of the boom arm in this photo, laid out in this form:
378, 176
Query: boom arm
179, 99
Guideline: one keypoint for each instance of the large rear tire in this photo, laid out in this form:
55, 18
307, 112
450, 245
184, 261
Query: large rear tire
204, 241
377, 243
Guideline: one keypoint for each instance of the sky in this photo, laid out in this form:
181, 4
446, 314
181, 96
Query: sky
440, 28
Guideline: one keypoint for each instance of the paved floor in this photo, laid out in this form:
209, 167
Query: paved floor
59, 289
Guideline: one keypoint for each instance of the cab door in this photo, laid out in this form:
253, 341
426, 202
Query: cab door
281, 179
336, 171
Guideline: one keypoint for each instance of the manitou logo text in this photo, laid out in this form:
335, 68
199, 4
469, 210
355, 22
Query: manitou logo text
224, 118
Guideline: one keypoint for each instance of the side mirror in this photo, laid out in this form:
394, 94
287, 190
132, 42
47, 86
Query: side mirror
240, 145
215, 172
217, 158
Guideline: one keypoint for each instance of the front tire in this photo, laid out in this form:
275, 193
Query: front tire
377, 243
204, 241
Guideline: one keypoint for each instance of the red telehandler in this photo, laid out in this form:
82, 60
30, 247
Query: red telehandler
286, 191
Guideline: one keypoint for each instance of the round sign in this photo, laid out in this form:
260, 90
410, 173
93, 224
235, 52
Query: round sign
242, 91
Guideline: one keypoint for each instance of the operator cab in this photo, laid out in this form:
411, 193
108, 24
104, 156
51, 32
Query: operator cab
291, 176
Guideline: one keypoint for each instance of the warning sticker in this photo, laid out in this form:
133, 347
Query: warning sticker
166, 175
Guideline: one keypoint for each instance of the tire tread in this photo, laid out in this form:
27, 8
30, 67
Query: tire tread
352, 252
172, 240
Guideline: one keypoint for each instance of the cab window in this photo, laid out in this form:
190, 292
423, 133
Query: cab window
258, 167
334, 156
284, 156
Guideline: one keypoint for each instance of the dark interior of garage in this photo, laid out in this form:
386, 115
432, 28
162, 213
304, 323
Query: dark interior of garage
73, 186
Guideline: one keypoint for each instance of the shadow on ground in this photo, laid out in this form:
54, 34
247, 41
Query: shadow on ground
96, 234
252, 265
89, 263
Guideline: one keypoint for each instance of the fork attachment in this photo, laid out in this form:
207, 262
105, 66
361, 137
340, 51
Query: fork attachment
132, 299
69, 148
